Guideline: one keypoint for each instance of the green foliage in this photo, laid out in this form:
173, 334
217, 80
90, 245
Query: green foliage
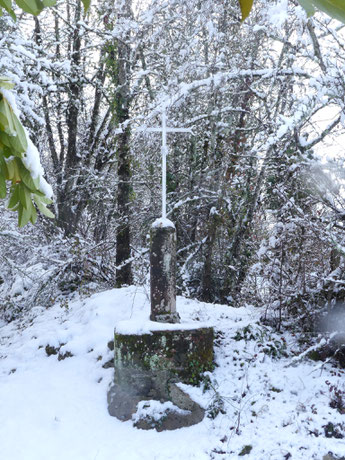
334, 8
216, 407
86, 4
267, 343
245, 450
33, 7
16, 181
195, 372
246, 6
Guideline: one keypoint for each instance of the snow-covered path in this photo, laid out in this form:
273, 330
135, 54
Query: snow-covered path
56, 409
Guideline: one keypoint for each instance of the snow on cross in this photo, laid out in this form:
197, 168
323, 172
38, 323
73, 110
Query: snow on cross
164, 130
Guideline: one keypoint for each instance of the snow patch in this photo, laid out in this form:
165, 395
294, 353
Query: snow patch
156, 410
139, 327
163, 223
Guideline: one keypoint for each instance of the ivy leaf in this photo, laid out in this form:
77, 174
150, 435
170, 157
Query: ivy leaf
246, 6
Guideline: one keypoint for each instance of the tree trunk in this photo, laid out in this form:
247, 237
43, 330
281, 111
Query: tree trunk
122, 96
67, 218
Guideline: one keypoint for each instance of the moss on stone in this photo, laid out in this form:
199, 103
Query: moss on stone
185, 353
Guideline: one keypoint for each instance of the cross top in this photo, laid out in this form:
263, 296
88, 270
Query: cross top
164, 129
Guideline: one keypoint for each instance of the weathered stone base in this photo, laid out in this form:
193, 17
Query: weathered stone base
123, 405
148, 366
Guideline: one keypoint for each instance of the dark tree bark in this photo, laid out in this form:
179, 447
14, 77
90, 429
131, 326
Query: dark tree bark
67, 218
121, 115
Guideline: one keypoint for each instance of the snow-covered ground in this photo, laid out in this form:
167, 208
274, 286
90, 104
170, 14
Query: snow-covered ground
53, 408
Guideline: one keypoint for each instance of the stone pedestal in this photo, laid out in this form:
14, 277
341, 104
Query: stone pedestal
163, 272
148, 366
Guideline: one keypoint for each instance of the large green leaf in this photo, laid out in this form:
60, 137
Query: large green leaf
14, 198
246, 6
14, 135
44, 199
33, 217
31, 184
24, 196
7, 118
13, 144
7, 5
24, 215
21, 144
308, 6
3, 121
5, 82
3, 169
4, 138
30, 6
42, 208
2, 186
334, 8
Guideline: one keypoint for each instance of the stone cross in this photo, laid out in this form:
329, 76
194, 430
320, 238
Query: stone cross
163, 247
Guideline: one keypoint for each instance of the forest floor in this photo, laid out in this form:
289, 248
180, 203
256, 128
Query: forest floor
262, 401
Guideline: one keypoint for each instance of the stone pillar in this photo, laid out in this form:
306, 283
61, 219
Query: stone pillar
163, 272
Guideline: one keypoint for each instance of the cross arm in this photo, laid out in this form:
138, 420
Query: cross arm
168, 130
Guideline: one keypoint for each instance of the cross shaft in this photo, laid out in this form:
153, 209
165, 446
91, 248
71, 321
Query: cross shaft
165, 130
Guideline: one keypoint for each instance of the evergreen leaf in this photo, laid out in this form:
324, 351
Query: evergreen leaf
14, 198
2, 186
33, 7
24, 215
41, 207
24, 196
86, 4
334, 8
246, 6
